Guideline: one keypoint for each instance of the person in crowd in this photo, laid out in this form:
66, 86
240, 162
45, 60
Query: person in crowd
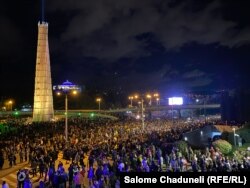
5, 185
78, 179
91, 175
27, 182
111, 147
21, 177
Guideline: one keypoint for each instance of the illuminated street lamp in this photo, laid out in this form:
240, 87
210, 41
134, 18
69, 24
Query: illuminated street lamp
149, 97
131, 100
10, 102
157, 98
142, 113
99, 103
66, 88
158, 101
156, 95
141, 102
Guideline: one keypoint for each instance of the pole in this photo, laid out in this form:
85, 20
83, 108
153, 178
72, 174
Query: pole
99, 105
131, 102
66, 118
234, 137
142, 115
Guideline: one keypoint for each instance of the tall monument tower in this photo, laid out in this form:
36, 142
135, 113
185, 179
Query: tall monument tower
43, 101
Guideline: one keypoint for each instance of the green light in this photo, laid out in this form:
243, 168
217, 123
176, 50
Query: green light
92, 115
79, 114
16, 113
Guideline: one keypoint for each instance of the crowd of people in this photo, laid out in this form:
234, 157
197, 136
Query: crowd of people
110, 147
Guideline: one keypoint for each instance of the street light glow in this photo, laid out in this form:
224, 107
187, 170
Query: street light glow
10, 103
156, 95
175, 101
99, 103
66, 88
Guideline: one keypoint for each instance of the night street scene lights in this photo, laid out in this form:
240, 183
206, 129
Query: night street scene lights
10, 103
131, 98
136, 96
149, 97
99, 100
141, 103
67, 88
157, 98
157, 101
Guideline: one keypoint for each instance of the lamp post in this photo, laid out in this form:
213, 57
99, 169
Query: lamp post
156, 95
234, 137
149, 97
142, 114
131, 100
10, 103
66, 88
141, 102
157, 101
99, 103
66, 118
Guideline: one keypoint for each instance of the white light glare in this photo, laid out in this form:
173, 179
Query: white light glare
175, 101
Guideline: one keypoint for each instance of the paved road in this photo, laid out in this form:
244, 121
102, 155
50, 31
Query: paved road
10, 174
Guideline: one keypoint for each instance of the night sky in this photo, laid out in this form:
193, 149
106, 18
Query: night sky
128, 45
